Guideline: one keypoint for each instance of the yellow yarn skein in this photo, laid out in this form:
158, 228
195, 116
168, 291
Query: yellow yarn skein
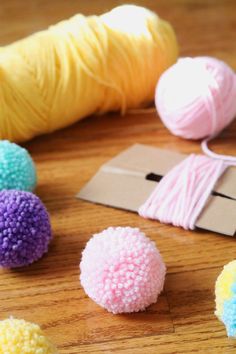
82, 66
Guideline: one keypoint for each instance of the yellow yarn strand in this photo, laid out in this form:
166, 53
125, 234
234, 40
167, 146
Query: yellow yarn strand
82, 66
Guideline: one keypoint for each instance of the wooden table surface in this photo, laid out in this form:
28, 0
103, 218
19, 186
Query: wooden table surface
49, 292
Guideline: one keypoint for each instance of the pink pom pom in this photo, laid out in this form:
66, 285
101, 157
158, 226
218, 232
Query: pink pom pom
122, 270
196, 97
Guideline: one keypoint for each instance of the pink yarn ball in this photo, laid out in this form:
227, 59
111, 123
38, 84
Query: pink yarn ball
122, 270
196, 97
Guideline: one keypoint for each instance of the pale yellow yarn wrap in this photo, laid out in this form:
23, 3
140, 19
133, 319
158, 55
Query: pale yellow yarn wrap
82, 66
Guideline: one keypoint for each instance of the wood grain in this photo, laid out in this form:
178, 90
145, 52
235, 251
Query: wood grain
49, 292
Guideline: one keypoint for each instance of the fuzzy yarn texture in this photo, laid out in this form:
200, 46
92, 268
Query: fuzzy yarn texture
196, 97
182, 193
17, 169
225, 292
21, 337
82, 66
122, 270
25, 230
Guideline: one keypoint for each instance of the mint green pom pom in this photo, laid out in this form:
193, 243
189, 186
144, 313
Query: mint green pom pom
17, 169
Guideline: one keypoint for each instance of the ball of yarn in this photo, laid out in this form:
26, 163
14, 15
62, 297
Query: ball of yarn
21, 337
17, 169
25, 230
196, 97
122, 270
225, 292
82, 66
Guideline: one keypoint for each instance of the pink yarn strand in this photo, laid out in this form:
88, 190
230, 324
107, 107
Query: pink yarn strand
181, 195
230, 160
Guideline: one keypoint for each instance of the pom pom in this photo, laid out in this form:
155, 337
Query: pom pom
225, 291
122, 270
17, 170
195, 98
21, 337
25, 230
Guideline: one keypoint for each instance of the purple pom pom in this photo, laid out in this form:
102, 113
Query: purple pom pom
25, 230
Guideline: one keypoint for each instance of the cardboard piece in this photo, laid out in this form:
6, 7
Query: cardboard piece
122, 183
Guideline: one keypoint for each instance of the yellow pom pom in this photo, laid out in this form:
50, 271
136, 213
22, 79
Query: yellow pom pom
223, 287
226, 298
21, 337
82, 66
